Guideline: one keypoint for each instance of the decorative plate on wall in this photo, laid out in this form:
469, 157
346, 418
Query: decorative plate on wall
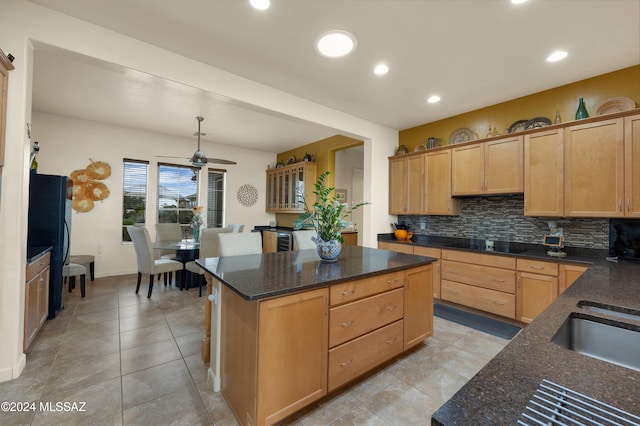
537, 122
617, 104
518, 126
247, 195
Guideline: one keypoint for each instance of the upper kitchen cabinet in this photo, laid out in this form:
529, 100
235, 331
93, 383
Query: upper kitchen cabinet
544, 173
594, 169
406, 183
437, 196
287, 185
488, 168
5, 67
632, 166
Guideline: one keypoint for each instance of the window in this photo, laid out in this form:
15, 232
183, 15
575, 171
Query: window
134, 194
215, 199
177, 193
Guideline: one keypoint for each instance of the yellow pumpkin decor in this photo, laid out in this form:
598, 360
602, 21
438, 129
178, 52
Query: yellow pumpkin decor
86, 188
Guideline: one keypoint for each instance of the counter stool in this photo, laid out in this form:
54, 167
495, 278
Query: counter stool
84, 259
72, 270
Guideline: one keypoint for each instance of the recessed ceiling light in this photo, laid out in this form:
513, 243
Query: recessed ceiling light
433, 99
518, 1
260, 4
381, 69
557, 55
335, 43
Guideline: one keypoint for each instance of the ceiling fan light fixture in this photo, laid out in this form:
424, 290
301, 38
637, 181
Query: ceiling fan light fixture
199, 159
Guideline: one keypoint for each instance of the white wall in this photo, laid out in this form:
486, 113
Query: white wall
21, 22
67, 144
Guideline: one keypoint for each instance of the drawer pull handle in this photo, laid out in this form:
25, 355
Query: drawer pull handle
391, 341
347, 292
347, 324
391, 308
536, 267
498, 303
391, 282
498, 280
344, 364
453, 291
454, 272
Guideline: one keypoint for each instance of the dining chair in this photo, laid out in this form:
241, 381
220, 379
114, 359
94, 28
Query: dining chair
209, 247
147, 264
167, 232
236, 227
240, 243
302, 240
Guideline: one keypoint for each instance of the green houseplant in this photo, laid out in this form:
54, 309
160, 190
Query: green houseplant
328, 217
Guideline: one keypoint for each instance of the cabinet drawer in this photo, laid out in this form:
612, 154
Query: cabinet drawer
352, 359
496, 302
427, 251
481, 276
35, 267
397, 247
538, 267
350, 291
356, 318
480, 259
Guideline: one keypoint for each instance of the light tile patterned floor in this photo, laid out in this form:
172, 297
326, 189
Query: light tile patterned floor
136, 361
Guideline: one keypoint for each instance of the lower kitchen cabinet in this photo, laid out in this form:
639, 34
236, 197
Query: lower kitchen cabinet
568, 274
418, 306
537, 288
36, 301
419, 251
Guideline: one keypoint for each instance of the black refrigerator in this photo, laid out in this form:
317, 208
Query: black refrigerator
50, 225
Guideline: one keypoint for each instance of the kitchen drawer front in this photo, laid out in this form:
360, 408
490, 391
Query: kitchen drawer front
496, 302
496, 261
352, 359
350, 291
427, 251
35, 267
538, 267
357, 318
480, 276
397, 247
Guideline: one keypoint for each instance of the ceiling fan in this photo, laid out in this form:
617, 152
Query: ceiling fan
199, 159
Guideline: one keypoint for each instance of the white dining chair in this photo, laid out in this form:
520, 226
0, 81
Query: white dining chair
236, 227
147, 264
167, 232
240, 244
209, 247
302, 239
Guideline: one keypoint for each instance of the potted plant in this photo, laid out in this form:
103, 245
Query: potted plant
328, 217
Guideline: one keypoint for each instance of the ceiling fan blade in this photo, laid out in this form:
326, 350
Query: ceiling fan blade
172, 156
220, 161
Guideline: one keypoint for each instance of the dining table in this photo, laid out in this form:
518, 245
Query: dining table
186, 251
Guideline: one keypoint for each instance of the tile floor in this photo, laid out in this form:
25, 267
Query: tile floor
136, 361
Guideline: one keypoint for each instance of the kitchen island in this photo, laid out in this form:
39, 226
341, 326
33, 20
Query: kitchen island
293, 328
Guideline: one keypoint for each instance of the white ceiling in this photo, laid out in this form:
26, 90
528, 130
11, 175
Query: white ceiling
473, 53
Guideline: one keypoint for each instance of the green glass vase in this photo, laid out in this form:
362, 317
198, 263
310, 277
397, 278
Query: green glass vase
582, 110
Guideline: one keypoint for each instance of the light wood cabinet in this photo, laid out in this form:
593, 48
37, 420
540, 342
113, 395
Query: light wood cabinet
568, 274
632, 166
487, 168
420, 251
544, 173
406, 183
5, 67
537, 288
36, 298
270, 340
418, 305
594, 169
287, 185
480, 281
437, 195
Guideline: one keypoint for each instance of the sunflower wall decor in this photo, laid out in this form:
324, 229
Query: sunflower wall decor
86, 186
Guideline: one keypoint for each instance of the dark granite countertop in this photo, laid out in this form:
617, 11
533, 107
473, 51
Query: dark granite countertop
505, 248
499, 393
272, 274
35, 252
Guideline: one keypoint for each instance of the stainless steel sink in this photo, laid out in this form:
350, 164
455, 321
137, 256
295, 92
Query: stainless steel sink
602, 308
607, 340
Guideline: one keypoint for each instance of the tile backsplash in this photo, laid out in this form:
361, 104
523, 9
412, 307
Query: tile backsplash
502, 218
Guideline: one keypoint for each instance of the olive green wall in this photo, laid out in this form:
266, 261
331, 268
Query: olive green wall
323, 152
625, 82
